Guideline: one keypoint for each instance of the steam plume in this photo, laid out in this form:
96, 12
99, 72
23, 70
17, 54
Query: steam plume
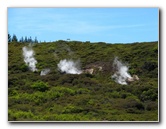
69, 66
44, 72
29, 59
121, 72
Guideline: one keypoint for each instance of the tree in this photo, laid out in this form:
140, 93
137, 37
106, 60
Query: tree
25, 40
36, 41
21, 40
14, 38
9, 38
30, 39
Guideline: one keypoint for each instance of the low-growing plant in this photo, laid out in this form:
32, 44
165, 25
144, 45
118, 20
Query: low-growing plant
40, 86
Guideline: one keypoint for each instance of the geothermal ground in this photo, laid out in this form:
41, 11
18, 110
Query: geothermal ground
82, 81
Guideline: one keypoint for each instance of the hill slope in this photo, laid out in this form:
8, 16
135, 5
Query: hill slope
83, 97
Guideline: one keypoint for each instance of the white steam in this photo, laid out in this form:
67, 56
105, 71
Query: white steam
29, 59
44, 72
69, 66
121, 72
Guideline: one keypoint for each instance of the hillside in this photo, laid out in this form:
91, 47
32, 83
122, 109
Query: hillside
59, 96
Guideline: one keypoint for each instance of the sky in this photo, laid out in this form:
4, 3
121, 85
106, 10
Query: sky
110, 25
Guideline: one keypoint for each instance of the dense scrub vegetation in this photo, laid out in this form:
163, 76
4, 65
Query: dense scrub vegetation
84, 97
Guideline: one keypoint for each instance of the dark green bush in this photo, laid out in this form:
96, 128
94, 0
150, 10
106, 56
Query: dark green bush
24, 68
150, 94
150, 66
151, 106
132, 103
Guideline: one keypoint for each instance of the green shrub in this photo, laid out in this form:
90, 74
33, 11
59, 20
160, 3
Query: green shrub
151, 106
71, 109
24, 68
65, 90
82, 91
150, 66
40, 86
53, 95
20, 115
12, 81
132, 103
13, 92
115, 94
150, 94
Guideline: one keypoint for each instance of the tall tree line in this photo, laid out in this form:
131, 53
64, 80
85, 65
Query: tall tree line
22, 39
